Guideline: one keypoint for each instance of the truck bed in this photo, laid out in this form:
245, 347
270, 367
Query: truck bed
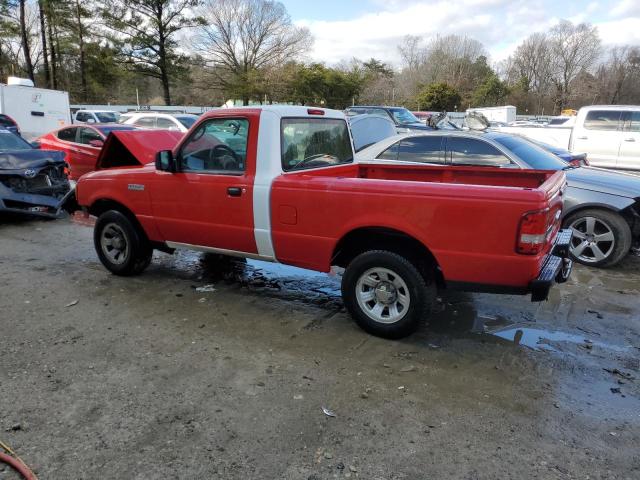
467, 217
542, 180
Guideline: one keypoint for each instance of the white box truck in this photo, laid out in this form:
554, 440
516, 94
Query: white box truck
505, 114
36, 110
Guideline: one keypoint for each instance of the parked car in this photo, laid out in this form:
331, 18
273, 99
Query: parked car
405, 120
162, 121
602, 207
608, 134
95, 116
9, 124
279, 183
32, 181
81, 144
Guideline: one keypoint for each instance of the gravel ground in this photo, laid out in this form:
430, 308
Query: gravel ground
206, 367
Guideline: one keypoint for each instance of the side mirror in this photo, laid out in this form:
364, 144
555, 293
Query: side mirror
96, 143
165, 161
90, 120
35, 145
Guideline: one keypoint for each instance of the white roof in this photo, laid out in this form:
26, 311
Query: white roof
294, 110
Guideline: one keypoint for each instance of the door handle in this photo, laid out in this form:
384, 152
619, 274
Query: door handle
582, 138
234, 191
629, 139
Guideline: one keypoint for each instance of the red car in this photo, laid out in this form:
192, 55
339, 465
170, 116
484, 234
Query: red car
81, 143
279, 183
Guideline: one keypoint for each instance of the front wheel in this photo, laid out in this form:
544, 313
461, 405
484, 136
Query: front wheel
386, 294
600, 238
121, 244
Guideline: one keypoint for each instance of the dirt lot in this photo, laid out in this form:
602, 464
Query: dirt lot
150, 378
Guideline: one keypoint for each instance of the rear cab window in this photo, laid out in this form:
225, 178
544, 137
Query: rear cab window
314, 142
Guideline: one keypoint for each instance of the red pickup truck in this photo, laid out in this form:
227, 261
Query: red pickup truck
278, 183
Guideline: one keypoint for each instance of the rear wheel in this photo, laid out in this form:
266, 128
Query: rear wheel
386, 294
600, 238
121, 244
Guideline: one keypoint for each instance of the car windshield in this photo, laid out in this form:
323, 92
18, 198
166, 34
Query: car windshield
402, 115
10, 142
314, 142
186, 120
536, 157
107, 117
106, 130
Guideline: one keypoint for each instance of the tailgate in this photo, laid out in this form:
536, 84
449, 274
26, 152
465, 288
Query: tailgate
124, 148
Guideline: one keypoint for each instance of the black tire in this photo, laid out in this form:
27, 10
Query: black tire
614, 251
136, 252
421, 291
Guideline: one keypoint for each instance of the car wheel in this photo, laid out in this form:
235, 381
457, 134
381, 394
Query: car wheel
386, 294
121, 244
600, 238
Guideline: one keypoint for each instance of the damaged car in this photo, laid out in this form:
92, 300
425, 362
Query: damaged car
32, 181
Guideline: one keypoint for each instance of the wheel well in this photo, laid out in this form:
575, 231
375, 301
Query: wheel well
378, 238
628, 214
104, 205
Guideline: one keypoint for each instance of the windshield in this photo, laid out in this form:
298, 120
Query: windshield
402, 115
106, 130
314, 142
187, 121
536, 157
107, 117
10, 142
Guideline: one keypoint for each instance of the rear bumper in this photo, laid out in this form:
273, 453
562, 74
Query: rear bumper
555, 269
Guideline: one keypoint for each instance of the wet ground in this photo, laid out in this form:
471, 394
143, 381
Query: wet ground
209, 367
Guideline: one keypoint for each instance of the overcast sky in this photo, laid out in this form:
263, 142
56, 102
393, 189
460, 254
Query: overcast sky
373, 28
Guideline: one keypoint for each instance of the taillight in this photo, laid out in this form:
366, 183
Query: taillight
535, 229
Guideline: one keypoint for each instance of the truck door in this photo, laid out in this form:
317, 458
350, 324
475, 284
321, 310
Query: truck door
599, 137
629, 154
209, 201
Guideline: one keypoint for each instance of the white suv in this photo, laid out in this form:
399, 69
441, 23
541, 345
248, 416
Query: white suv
162, 121
96, 116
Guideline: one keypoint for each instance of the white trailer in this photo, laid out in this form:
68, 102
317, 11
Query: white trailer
36, 110
505, 114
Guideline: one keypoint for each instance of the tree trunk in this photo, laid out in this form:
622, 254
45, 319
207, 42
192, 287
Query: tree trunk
43, 35
25, 42
83, 66
52, 49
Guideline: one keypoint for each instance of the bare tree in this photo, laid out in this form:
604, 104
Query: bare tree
242, 38
530, 68
574, 49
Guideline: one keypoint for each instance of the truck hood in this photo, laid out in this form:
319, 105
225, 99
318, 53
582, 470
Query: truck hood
606, 181
124, 148
26, 159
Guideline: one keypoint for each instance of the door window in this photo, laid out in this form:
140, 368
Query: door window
217, 146
88, 134
390, 153
603, 120
633, 123
81, 116
166, 124
425, 149
67, 134
471, 151
145, 122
